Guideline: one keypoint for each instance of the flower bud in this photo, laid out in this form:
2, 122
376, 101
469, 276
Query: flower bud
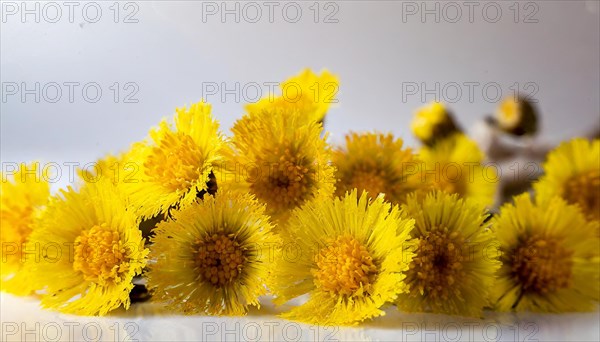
432, 123
516, 115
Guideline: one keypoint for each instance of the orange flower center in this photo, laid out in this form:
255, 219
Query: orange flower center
100, 255
438, 264
283, 185
345, 267
219, 258
584, 190
176, 162
542, 265
371, 181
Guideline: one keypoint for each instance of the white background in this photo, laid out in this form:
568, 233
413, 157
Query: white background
375, 48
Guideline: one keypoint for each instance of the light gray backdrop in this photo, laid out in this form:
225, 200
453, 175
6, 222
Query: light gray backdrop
389, 55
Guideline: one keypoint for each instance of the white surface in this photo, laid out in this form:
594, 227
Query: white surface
22, 319
170, 52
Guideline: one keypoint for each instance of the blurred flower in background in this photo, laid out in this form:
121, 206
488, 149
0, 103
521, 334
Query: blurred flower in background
572, 171
22, 195
454, 165
432, 123
517, 116
309, 93
377, 163
455, 259
550, 257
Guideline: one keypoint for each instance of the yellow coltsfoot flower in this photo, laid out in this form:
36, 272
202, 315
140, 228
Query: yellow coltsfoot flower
22, 194
281, 159
455, 165
85, 250
176, 165
572, 171
433, 123
517, 115
117, 169
377, 163
349, 254
213, 256
550, 257
307, 92
456, 256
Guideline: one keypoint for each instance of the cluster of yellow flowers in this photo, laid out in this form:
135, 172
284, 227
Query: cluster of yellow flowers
274, 209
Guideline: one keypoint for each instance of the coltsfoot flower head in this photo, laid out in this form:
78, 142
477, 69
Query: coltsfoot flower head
454, 165
349, 254
377, 163
550, 257
433, 123
517, 115
307, 92
456, 256
572, 171
117, 169
88, 249
22, 195
213, 256
176, 165
281, 159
